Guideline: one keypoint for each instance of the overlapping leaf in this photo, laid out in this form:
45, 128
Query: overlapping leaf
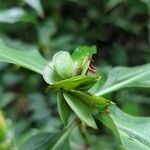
63, 108
80, 109
80, 82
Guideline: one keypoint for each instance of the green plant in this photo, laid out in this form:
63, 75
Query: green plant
78, 90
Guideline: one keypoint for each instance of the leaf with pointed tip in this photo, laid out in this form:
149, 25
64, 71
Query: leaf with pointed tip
36, 5
82, 51
83, 82
64, 64
81, 110
90, 98
63, 108
31, 60
121, 77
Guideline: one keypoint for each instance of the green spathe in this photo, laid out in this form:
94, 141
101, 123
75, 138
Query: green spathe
64, 64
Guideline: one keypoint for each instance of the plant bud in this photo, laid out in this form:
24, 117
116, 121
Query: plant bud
64, 64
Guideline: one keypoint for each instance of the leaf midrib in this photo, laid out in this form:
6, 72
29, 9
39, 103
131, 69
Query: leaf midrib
136, 136
122, 84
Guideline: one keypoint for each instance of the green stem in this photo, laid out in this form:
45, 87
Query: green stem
85, 135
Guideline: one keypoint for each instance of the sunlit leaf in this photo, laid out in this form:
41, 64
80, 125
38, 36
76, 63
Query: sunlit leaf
81, 110
31, 59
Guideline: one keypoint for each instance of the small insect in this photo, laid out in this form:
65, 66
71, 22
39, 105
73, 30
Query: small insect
91, 68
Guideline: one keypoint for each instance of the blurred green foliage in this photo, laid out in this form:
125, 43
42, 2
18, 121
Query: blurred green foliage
120, 29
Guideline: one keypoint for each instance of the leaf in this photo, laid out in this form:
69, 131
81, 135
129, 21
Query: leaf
90, 98
38, 107
82, 51
112, 3
50, 75
82, 57
36, 5
37, 142
12, 15
31, 60
46, 141
134, 131
81, 110
80, 82
45, 32
64, 64
121, 77
63, 108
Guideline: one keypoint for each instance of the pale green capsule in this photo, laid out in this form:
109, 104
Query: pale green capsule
50, 75
64, 64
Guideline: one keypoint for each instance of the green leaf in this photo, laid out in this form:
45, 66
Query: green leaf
113, 3
81, 110
134, 131
62, 142
90, 98
12, 15
46, 141
82, 57
31, 60
37, 142
63, 108
64, 64
82, 51
121, 77
50, 75
36, 5
80, 82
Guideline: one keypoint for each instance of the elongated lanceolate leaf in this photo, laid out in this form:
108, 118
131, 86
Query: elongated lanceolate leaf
121, 77
31, 60
81, 110
73, 83
63, 108
134, 131
36, 5
89, 98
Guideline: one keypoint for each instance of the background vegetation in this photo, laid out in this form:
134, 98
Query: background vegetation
120, 29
